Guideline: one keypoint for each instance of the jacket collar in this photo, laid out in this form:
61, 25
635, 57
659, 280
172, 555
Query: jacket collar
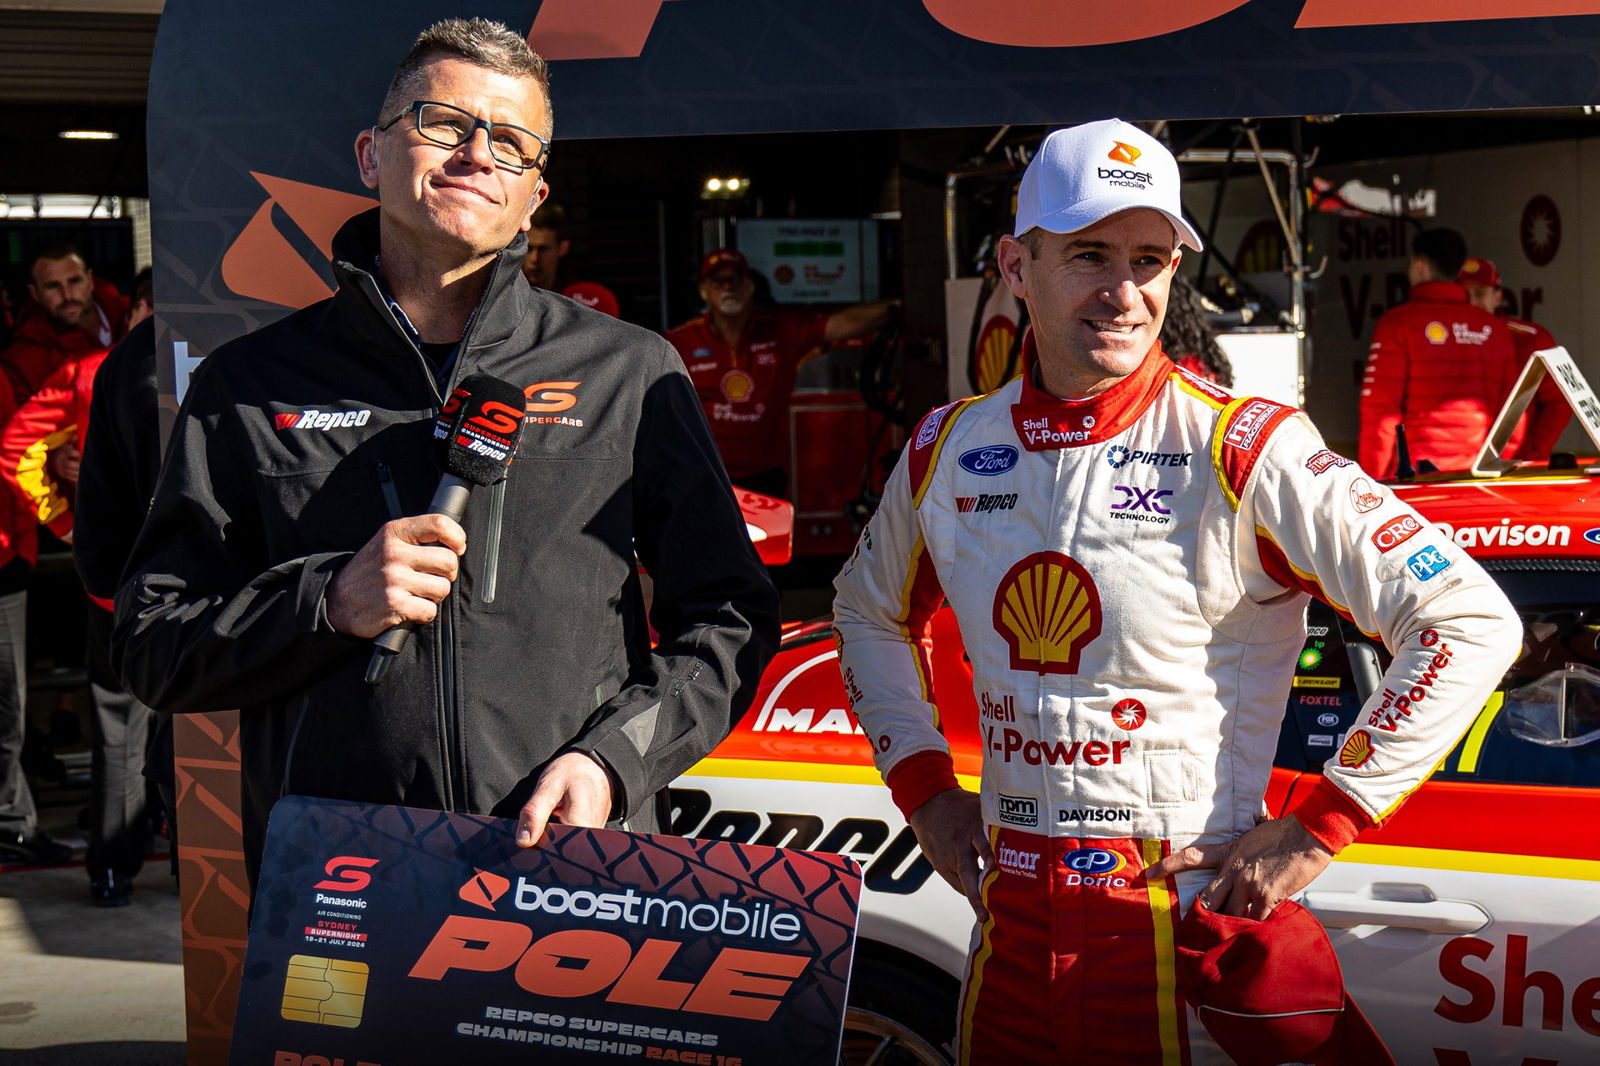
1440, 292
1043, 421
506, 300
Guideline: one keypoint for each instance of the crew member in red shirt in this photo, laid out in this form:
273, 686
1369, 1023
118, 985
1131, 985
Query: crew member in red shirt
1437, 365
1535, 438
743, 360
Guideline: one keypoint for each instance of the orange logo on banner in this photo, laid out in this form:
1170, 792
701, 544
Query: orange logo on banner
1357, 750
618, 29
1124, 153
1048, 610
737, 385
261, 264
484, 889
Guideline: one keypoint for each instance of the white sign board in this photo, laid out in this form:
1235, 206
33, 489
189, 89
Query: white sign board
814, 261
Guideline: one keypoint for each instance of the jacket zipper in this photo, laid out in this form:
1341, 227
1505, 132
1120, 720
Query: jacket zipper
454, 754
491, 540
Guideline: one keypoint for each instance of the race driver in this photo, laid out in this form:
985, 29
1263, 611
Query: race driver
1535, 438
1129, 551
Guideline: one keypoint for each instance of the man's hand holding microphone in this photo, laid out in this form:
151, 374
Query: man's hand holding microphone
399, 578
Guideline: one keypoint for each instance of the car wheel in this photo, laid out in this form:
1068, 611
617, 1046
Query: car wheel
898, 1016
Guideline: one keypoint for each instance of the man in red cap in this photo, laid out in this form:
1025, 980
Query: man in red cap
1437, 365
546, 267
743, 360
1547, 416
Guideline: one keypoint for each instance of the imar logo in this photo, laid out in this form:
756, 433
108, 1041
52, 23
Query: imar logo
347, 873
312, 418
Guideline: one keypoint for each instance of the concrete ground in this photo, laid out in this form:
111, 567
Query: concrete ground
82, 985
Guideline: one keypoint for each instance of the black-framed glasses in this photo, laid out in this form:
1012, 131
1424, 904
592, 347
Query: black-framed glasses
512, 146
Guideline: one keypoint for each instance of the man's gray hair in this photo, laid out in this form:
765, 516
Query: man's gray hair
481, 42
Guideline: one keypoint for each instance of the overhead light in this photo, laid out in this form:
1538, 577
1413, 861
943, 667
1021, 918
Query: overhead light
89, 135
725, 188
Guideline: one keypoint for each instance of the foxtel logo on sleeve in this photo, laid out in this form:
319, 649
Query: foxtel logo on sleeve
312, 418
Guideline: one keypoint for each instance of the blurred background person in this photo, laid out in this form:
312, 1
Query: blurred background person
1548, 414
546, 265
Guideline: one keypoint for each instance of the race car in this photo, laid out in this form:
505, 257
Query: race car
1468, 926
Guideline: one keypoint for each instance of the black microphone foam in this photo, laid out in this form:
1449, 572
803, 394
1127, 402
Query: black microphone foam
480, 426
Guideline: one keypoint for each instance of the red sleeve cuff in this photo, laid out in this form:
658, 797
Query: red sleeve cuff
916, 779
1331, 816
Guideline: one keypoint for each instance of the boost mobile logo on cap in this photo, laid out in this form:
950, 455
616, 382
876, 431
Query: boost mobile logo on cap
1123, 153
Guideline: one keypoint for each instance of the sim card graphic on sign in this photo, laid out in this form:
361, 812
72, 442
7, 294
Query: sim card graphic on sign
324, 991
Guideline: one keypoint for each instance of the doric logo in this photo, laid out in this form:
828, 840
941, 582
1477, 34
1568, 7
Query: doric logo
1048, 610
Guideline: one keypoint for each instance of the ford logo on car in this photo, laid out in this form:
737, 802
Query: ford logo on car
989, 461
1592, 536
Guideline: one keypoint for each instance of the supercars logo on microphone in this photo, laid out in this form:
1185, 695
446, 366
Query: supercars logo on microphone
1048, 610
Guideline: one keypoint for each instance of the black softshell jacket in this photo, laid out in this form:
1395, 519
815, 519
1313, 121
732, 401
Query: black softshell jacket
541, 647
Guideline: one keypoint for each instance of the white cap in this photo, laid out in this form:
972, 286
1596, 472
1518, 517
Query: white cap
1090, 172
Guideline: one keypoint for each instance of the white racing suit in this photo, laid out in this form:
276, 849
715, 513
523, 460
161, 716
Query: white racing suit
1130, 573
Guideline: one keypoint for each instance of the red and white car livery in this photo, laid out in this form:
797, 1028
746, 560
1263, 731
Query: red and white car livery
1468, 925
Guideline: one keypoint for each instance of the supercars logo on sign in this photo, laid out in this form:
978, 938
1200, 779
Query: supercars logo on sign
1047, 609
347, 873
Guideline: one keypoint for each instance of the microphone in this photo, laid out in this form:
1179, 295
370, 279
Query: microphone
479, 428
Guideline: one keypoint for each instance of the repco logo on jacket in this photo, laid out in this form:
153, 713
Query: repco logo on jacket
312, 418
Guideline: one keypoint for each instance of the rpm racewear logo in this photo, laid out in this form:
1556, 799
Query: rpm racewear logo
347, 873
314, 418
1123, 153
1094, 868
1396, 532
1436, 333
1248, 424
989, 461
1047, 609
1357, 750
324, 991
1019, 810
929, 430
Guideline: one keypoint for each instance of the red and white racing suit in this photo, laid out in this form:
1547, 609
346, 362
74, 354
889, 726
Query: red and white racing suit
1130, 573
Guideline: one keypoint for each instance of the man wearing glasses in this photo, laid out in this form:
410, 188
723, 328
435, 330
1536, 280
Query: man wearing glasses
277, 545
743, 360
